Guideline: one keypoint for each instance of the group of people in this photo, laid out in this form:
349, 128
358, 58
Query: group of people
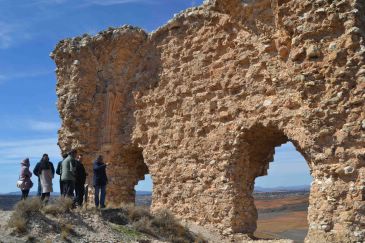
72, 178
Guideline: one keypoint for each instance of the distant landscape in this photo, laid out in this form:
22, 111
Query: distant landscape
258, 189
282, 211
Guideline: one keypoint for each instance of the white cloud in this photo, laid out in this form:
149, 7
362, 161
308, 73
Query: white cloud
46, 2
13, 32
115, 2
6, 38
86, 3
45, 126
16, 150
28, 125
23, 74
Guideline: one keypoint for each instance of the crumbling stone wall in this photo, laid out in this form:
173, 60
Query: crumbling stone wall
202, 102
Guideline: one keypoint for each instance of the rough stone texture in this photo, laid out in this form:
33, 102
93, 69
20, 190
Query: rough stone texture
204, 100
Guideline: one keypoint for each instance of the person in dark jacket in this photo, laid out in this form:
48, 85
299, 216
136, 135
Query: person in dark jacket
36, 173
46, 174
100, 181
68, 174
80, 181
58, 170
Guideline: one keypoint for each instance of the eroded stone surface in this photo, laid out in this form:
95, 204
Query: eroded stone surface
204, 100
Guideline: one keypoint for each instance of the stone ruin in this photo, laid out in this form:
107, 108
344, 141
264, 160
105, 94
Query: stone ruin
202, 102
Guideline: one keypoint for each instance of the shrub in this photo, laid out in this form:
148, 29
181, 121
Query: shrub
144, 225
25, 207
59, 206
66, 230
136, 213
115, 216
161, 225
18, 222
22, 210
166, 225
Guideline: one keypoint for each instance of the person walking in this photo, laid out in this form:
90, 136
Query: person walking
58, 170
46, 174
68, 173
100, 181
36, 173
24, 177
80, 181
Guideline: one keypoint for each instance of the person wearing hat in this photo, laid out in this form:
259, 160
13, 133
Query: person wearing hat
24, 178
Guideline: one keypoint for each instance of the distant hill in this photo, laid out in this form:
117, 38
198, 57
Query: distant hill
33, 193
143, 193
283, 188
149, 193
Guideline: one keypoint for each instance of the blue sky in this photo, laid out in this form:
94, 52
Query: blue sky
29, 30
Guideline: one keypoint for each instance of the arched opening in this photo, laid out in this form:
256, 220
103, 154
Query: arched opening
256, 149
282, 197
126, 169
144, 191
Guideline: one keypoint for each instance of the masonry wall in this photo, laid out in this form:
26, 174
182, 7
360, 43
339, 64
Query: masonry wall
204, 100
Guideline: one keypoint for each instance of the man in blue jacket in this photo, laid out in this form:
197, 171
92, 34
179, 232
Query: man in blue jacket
100, 181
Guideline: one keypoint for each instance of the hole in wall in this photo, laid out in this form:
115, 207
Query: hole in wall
144, 190
281, 197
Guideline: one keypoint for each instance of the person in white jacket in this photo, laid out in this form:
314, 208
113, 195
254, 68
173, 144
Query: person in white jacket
46, 174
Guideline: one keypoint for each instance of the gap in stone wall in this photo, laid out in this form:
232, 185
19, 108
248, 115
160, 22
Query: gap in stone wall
281, 197
144, 190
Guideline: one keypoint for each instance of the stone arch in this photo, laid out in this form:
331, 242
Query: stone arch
254, 150
190, 88
126, 169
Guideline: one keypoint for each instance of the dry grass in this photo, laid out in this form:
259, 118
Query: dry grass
160, 225
23, 209
136, 220
66, 230
19, 218
28, 206
59, 206
136, 213
18, 222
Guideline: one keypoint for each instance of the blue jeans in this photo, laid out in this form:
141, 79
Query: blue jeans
102, 191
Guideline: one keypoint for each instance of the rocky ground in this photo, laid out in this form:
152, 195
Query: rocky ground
31, 221
281, 215
73, 227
